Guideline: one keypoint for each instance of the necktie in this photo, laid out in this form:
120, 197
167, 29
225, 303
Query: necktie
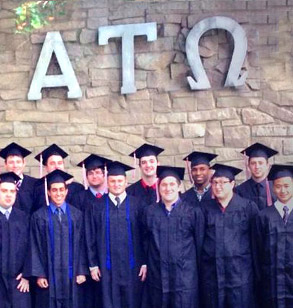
118, 202
7, 214
99, 195
59, 213
286, 214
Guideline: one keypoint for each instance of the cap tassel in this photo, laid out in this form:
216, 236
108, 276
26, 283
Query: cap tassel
189, 171
134, 167
46, 192
85, 183
41, 166
245, 158
106, 179
269, 196
157, 191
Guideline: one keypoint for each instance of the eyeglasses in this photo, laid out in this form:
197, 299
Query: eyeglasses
220, 183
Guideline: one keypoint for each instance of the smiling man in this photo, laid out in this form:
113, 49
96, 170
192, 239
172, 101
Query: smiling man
145, 188
201, 174
174, 233
114, 243
273, 237
14, 157
52, 158
227, 272
258, 188
14, 230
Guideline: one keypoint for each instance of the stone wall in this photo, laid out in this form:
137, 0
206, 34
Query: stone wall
164, 111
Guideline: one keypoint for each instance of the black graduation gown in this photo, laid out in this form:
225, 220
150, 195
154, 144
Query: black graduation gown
83, 200
146, 195
173, 244
14, 239
61, 287
191, 197
274, 243
25, 195
39, 196
121, 286
227, 267
249, 190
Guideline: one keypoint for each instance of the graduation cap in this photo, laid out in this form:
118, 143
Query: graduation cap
146, 150
164, 171
49, 151
14, 149
197, 158
117, 168
225, 171
94, 161
280, 171
9, 177
259, 150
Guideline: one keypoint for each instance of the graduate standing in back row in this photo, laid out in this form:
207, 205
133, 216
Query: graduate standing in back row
274, 242
57, 255
14, 157
258, 189
227, 272
14, 238
145, 188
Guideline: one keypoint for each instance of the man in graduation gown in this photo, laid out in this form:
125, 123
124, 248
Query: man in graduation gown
258, 188
14, 235
114, 243
57, 256
227, 271
145, 188
14, 161
94, 169
174, 234
273, 235
53, 159
200, 175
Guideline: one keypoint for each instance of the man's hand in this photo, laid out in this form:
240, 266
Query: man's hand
80, 279
42, 283
23, 285
96, 274
143, 273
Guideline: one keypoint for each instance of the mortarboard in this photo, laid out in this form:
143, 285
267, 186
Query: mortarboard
57, 176
146, 150
280, 171
197, 158
259, 150
94, 161
49, 151
9, 177
117, 168
164, 171
225, 171
14, 149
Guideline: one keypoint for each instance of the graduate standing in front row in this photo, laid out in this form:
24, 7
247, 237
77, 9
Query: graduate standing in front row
227, 271
258, 189
14, 238
201, 174
114, 243
57, 248
274, 243
174, 234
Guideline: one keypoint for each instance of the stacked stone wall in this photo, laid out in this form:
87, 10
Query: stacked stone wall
164, 111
